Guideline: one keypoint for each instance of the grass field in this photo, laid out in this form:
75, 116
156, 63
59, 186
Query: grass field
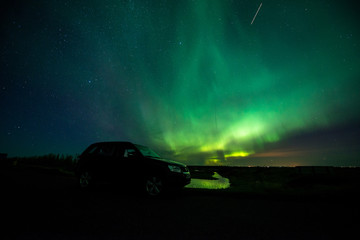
43, 201
286, 180
292, 181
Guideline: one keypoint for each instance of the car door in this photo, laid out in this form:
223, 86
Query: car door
130, 161
104, 161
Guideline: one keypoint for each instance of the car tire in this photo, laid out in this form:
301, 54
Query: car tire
86, 179
154, 186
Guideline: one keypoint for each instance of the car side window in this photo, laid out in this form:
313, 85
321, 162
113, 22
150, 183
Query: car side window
106, 151
119, 152
129, 152
102, 150
93, 150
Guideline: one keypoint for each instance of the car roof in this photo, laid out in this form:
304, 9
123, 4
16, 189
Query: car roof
113, 143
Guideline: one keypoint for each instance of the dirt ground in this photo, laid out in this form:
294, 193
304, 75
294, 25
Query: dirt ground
45, 204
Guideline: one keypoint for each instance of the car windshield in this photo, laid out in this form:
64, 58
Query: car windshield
147, 152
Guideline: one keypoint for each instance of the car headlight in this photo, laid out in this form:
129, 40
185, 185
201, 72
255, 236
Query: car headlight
174, 168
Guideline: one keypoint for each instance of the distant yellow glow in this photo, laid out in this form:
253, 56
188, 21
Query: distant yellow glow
212, 162
238, 154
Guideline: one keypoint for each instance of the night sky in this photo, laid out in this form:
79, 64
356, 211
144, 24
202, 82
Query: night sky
192, 79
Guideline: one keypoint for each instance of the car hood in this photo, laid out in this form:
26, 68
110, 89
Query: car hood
167, 161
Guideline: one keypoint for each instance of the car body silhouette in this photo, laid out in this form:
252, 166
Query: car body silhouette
130, 166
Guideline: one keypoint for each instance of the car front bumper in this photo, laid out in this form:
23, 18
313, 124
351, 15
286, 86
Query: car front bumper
178, 179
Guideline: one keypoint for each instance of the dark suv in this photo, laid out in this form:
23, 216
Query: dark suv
127, 164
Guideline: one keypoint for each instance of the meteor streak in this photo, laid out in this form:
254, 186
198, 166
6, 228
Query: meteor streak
256, 14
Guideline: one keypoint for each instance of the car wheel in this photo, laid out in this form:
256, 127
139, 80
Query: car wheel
86, 179
154, 186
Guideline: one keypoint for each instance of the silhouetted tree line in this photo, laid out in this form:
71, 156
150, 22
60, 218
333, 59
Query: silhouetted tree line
66, 162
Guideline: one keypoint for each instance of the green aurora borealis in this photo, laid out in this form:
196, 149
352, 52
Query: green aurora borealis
192, 79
